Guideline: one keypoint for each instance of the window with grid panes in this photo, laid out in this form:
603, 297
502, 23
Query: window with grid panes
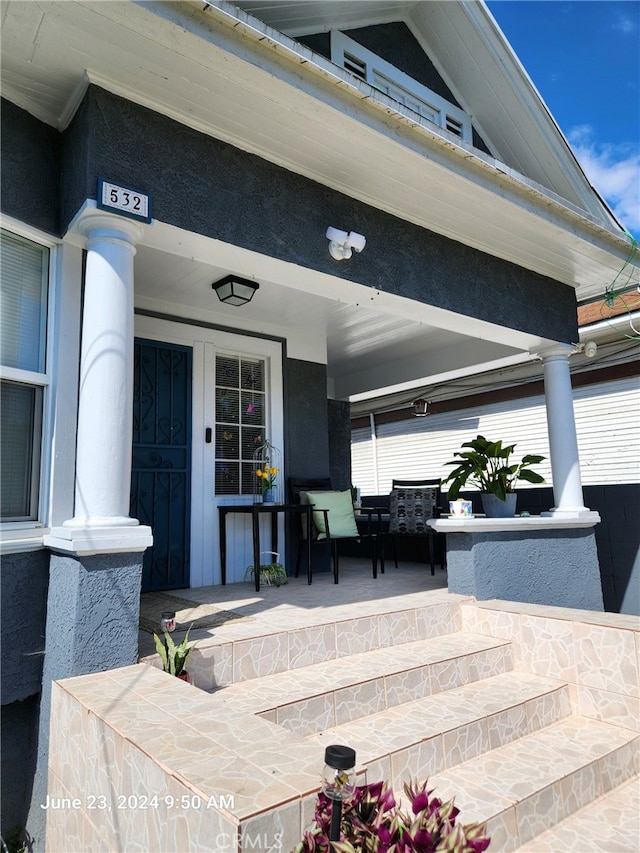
24, 274
240, 421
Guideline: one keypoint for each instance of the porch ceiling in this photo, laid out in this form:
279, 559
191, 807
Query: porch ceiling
370, 340
230, 81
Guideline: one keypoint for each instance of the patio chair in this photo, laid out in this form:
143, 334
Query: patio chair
333, 520
411, 504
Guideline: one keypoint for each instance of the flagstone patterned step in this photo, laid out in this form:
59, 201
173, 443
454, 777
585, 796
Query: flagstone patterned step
316, 697
526, 787
611, 823
242, 651
446, 729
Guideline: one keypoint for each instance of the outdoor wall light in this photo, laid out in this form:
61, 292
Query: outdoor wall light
420, 408
342, 244
338, 782
589, 348
234, 290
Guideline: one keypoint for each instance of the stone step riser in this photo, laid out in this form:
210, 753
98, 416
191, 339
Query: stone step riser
346, 704
466, 742
221, 664
548, 807
518, 813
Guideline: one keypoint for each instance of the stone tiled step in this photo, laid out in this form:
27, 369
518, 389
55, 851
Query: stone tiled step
331, 693
245, 650
443, 730
524, 788
611, 823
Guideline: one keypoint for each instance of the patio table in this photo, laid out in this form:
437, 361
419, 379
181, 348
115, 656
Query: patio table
256, 510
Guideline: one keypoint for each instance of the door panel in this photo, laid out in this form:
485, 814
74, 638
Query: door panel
161, 464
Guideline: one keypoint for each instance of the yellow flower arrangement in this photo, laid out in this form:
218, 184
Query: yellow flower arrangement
268, 477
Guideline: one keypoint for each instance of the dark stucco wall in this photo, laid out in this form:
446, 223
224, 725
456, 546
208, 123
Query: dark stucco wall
340, 443
24, 582
17, 762
30, 168
23, 603
209, 187
306, 419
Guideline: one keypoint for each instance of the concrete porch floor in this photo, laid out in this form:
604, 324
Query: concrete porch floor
243, 612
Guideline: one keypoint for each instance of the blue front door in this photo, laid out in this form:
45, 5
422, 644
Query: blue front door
161, 464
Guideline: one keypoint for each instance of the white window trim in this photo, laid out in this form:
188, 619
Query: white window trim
374, 65
23, 530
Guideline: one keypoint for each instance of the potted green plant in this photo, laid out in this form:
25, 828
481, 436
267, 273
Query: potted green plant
174, 656
487, 466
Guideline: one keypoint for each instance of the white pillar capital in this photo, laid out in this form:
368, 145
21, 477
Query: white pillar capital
555, 351
99, 225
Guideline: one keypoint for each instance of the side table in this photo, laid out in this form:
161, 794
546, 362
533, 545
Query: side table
256, 510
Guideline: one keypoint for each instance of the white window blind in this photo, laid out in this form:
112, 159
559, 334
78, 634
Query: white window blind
24, 272
606, 417
23, 305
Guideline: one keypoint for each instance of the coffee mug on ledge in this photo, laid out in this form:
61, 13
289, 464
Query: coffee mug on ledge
460, 508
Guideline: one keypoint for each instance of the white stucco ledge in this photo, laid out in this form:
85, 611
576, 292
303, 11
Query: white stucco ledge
86, 541
511, 525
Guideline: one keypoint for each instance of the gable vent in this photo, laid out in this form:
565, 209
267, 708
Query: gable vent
388, 79
355, 66
454, 126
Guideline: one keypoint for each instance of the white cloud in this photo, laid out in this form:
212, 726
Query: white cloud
614, 171
624, 24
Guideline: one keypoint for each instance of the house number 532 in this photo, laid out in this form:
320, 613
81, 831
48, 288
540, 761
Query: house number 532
124, 200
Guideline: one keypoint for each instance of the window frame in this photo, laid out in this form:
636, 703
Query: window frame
18, 528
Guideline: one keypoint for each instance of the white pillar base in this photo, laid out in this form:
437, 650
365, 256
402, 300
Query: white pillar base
580, 512
88, 540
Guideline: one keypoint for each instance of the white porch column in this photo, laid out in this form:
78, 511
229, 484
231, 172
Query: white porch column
563, 442
101, 521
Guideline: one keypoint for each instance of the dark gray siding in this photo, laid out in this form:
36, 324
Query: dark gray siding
209, 187
30, 168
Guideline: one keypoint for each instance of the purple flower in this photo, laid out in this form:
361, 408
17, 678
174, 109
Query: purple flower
372, 822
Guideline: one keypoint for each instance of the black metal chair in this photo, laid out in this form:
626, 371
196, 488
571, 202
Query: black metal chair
411, 504
322, 495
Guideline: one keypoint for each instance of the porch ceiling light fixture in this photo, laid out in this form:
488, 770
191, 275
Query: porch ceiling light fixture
234, 290
420, 408
343, 244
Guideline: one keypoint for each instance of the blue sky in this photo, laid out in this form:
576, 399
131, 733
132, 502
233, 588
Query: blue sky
584, 59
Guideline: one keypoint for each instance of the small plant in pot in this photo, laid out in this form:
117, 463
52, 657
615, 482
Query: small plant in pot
174, 656
487, 466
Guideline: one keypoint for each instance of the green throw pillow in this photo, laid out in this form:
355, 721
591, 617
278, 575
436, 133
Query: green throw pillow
341, 519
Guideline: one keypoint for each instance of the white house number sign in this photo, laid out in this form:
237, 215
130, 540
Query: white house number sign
124, 200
